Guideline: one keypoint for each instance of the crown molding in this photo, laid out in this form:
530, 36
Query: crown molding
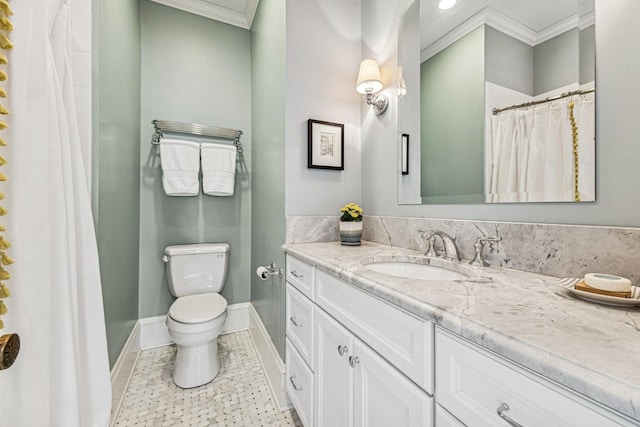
505, 25
208, 9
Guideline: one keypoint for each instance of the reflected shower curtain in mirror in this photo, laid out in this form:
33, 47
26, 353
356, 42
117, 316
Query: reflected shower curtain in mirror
61, 377
532, 153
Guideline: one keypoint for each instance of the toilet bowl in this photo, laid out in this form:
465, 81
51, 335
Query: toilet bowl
195, 329
196, 274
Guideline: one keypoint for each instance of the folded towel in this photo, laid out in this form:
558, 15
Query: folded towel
218, 169
180, 161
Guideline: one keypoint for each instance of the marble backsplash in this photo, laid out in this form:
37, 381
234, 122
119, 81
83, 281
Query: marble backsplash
555, 250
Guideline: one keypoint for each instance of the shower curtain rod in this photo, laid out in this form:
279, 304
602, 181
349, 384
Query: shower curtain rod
194, 129
542, 101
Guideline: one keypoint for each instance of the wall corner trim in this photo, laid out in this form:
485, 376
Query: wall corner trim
269, 358
123, 369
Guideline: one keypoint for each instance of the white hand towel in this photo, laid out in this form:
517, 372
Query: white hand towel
180, 161
218, 169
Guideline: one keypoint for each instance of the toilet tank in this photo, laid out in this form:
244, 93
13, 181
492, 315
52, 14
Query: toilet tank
196, 269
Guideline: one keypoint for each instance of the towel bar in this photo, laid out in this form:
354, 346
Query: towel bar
194, 129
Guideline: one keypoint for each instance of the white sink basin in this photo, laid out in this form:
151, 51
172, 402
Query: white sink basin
415, 271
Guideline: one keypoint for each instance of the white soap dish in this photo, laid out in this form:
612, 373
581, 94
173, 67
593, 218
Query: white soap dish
569, 284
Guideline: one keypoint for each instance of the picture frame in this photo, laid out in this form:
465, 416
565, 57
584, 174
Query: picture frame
325, 145
404, 154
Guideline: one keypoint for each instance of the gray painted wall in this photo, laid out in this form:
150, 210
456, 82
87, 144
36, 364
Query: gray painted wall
268, 180
452, 85
116, 162
323, 58
556, 62
588, 54
618, 199
508, 61
194, 70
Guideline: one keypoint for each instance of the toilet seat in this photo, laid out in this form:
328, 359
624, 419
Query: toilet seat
199, 308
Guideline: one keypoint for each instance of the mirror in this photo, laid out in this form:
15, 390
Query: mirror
456, 66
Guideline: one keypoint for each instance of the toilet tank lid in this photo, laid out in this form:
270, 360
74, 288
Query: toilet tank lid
197, 248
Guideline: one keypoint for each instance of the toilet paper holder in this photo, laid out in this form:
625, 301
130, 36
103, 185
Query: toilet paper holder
264, 272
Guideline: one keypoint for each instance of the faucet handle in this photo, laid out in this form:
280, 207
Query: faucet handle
478, 259
429, 239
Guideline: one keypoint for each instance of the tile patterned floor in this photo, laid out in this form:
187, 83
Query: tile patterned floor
238, 396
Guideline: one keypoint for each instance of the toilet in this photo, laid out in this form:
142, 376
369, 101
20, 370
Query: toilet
196, 275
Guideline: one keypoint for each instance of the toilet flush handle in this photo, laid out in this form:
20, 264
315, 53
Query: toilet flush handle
165, 258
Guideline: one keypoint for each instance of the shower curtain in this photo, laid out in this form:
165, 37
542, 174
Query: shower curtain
61, 378
532, 152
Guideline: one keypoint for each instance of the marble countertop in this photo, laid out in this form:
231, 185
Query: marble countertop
525, 317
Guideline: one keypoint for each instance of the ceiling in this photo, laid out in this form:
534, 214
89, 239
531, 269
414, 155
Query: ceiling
235, 12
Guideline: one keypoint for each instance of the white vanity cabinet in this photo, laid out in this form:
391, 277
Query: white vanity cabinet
365, 363
356, 387
482, 389
357, 359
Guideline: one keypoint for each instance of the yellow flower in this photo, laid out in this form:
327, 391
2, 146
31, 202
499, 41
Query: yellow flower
351, 212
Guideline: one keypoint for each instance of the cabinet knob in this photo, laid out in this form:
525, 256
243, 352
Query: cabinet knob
501, 411
295, 273
353, 361
295, 322
295, 387
342, 350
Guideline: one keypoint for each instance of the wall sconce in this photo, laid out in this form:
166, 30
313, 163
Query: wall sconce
369, 83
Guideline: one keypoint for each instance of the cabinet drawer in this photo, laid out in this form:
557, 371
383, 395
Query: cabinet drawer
300, 275
299, 384
300, 314
473, 384
403, 339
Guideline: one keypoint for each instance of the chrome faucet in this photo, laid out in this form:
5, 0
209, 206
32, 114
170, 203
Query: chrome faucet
478, 259
449, 243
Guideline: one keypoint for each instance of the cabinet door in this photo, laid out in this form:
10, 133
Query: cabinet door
383, 396
334, 377
445, 419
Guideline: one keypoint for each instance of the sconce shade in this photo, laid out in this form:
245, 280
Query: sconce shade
369, 80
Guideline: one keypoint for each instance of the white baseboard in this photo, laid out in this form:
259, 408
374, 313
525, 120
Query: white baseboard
123, 369
154, 332
272, 365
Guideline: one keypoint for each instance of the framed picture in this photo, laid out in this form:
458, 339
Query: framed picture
404, 154
326, 145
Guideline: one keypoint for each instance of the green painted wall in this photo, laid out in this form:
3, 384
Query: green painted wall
452, 85
194, 70
268, 180
116, 162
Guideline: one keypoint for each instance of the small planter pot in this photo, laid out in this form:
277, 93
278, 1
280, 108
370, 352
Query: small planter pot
350, 233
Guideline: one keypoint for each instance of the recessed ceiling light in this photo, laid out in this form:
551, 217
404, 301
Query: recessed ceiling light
446, 4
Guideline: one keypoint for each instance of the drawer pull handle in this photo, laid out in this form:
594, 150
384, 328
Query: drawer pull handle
295, 273
501, 411
295, 322
353, 361
342, 350
295, 387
